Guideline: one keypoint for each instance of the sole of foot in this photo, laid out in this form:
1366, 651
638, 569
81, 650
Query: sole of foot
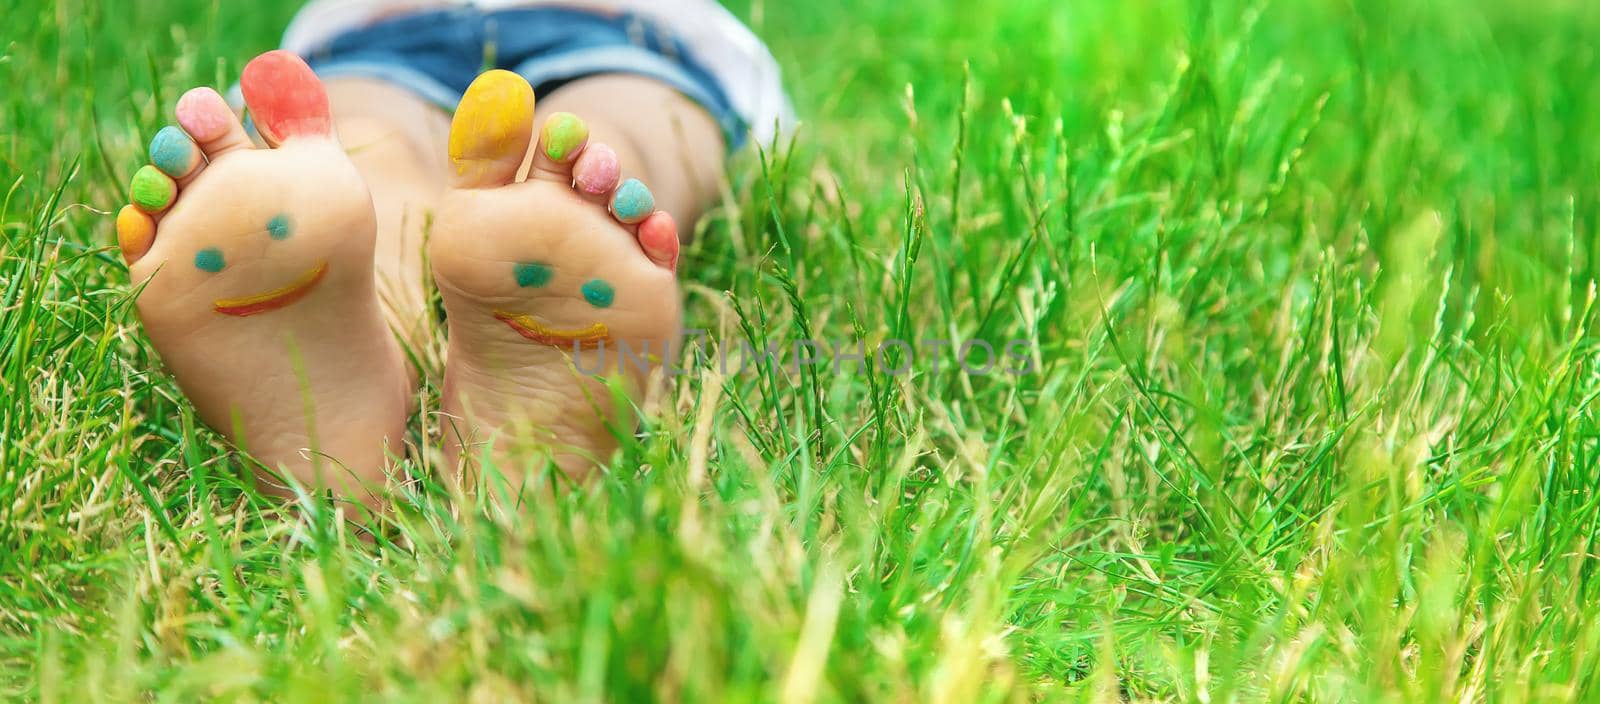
559, 288
256, 268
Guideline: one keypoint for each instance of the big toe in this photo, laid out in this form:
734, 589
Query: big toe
285, 97
490, 132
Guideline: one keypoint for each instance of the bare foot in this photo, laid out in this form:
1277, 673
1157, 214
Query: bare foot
550, 284
258, 283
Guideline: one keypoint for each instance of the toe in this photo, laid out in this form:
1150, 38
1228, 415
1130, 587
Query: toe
136, 231
175, 154
596, 171
285, 97
561, 143
632, 202
658, 237
205, 116
491, 129
152, 191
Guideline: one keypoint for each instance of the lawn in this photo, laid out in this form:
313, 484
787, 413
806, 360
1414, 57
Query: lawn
1305, 409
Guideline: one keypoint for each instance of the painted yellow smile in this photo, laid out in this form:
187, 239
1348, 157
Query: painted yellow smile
588, 337
274, 299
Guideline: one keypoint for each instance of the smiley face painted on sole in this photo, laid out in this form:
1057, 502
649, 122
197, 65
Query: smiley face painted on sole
244, 242
538, 271
539, 275
213, 260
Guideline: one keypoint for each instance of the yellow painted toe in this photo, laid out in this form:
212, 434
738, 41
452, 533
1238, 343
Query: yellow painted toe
491, 129
136, 231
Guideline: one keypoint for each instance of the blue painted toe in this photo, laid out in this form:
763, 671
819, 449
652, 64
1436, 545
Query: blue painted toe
173, 152
633, 201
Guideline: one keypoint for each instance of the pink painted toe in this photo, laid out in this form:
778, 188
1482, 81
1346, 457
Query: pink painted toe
204, 115
597, 171
658, 236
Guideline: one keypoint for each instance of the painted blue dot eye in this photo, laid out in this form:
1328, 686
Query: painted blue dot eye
209, 259
278, 227
598, 293
532, 274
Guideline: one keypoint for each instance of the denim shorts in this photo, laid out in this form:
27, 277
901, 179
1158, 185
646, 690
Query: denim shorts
438, 53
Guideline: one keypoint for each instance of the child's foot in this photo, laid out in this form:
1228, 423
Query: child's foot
260, 292
546, 283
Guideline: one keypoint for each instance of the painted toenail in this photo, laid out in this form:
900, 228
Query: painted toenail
633, 201
596, 172
598, 293
285, 98
135, 233
278, 227
209, 259
564, 134
532, 274
490, 129
204, 114
173, 152
152, 191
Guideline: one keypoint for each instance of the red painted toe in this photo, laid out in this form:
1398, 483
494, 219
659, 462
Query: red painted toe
658, 236
286, 99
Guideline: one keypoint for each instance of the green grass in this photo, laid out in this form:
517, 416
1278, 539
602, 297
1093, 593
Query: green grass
1312, 283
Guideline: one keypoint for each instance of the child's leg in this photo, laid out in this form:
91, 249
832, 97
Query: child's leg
557, 283
397, 142
255, 277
